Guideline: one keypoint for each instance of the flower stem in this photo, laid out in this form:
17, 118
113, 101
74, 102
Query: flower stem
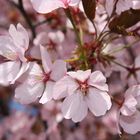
79, 40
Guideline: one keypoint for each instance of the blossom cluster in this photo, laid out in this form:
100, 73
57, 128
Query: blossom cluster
77, 58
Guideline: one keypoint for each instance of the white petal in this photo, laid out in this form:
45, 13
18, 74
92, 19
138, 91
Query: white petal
129, 106
21, 40
98, 80
32, 87
20, 36
35, 69
33, 75
134, 91
109, 6
23, 69
29, 92
98, 101
8, 71
80, 75
7, 48
58, 70
130, 124
64, 87
82, 109
74, 2
48, 93
46, 60
24, 37
46, 6
74, 107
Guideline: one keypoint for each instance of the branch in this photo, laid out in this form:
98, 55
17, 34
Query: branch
20, 7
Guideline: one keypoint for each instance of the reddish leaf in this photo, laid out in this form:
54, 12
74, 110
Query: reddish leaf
127, 19
89, 8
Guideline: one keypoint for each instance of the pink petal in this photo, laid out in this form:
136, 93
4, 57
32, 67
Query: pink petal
41, 38
98, 80
131, 124
35, 69
48, 93
35, 52
57, 37
20, 39
24, 37
28, 92
64, 87
82, 109
58, 70
32, 87
7, 48
123, 5
134, 91
19, 36
23, 69
98, 101
34, 74
46, 6
80, 75
8, 71
129, 106
74, 107
74, 2
46, 60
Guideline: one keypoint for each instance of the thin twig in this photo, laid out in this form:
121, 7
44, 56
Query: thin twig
20, 7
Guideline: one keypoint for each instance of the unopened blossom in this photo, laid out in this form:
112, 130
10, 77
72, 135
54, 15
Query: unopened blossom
39, 82
13, 47
47, 6
130, 115
82, 90
52, 41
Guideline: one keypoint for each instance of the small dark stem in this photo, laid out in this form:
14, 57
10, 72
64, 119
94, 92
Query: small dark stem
79, 41
40, 23
25, 15
118, 102
20, 7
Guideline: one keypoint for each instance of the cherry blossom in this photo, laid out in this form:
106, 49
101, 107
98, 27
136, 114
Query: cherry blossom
40, 82
58, 45
130, 116
67, 62
13, 47
82, 90
47, 6
52, 41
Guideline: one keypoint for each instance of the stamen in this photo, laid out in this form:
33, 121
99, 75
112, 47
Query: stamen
83, 86
46, 77
66, 3
11, 55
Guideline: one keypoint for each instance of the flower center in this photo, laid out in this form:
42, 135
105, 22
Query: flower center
83, 86
46, 77
66, 3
